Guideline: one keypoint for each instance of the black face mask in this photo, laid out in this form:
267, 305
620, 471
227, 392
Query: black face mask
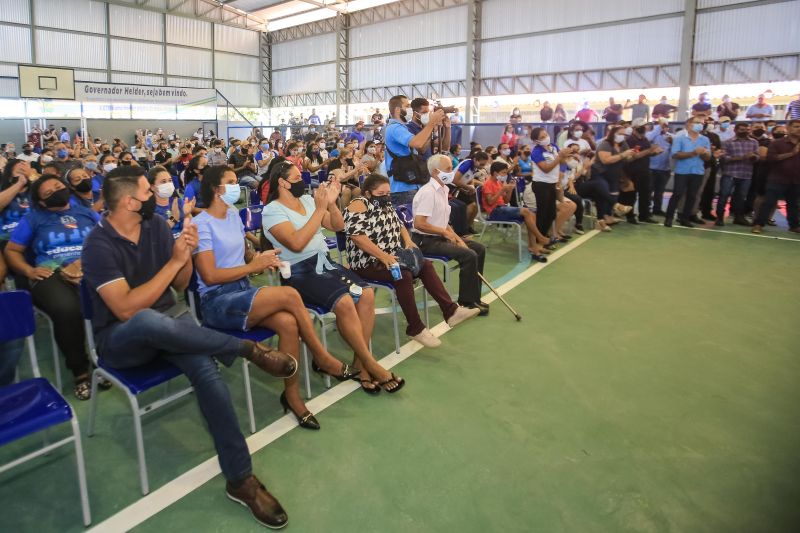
27, 151
641, 130
298, 188
125, 163
83, 186
58, 199
779, 135
148, 207
758, 132
382, 201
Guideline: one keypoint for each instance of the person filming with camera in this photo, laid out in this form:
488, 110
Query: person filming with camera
403, 147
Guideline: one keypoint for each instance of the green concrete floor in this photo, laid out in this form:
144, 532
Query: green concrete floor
650, 387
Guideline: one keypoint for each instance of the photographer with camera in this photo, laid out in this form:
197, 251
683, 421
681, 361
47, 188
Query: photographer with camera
406, 168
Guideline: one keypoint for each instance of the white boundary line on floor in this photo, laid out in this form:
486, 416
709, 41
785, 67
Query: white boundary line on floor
760, 235
161, 498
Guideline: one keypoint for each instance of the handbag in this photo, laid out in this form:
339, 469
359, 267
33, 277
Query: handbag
410, 259
409, 168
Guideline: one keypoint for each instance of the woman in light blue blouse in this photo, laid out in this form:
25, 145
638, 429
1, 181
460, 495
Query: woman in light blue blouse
229, 301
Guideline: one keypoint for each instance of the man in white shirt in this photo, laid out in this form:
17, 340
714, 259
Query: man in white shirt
725, 129
28, 154
434, 236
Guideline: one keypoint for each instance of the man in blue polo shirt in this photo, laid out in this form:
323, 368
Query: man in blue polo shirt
130, 260
400, 141
689, 151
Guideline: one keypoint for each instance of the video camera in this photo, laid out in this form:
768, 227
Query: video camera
437, 105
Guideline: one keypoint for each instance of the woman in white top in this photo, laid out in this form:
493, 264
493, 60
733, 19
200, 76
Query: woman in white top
546, 175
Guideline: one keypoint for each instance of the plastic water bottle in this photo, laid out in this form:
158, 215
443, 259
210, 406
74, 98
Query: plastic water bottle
395, 269
355, 292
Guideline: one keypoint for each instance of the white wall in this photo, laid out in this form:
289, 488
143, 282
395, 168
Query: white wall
72, 33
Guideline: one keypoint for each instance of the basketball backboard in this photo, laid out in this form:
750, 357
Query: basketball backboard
46, 82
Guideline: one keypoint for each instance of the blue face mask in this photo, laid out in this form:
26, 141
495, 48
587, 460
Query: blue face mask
723, 126
62, 153
90, 165
231, 195
697, 128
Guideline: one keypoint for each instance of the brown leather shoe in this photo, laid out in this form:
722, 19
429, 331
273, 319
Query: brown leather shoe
273, 362
265, 508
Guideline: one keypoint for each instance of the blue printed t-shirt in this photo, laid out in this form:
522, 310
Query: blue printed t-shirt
97, 186
166, 211
12, 214
225, 237
276, 213
541, 154
55, 237
692, 165
193, 191
397, 139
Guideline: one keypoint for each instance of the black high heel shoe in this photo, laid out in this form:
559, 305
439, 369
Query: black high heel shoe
307, 421
348, 372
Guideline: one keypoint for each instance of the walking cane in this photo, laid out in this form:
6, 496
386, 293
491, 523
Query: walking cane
517, 315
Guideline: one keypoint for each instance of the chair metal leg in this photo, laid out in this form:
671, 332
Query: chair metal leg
248, 393
394, 321
137, 429
76, 432
32, 354
307, 373
93, 403
519, 243
56, 358
425, 303
325, 345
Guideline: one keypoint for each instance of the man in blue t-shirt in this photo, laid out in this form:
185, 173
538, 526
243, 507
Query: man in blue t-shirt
356, 134
400, 141
689, 152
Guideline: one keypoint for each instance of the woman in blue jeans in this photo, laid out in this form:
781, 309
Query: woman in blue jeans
227, 299
293, 221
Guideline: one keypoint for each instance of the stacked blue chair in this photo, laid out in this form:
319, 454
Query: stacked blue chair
131, 381
33, 405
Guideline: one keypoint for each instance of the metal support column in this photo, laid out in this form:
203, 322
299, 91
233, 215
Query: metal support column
473, 70
265, 59
108, 45
687, 54
342, 67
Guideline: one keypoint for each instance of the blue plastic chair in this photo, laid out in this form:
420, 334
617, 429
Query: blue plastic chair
33, 405
251, 217
254, 334
485, 223
254, 199
133, 382
322, 175
406, 216
306, 177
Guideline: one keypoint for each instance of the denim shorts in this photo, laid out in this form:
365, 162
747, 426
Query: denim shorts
228, 306
505, 213
323, 290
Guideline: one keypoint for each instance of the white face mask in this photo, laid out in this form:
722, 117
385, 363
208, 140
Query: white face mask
505, 152
628, 131
447, 177
217, 150
340, 145
108, 167
46, 158
577, 134
502, 178
544, 142
165, 190
371, 150
619, 138
425, 118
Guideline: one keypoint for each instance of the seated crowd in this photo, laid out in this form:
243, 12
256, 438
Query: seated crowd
134, 223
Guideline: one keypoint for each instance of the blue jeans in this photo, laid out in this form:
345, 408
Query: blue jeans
193, 349
735, 189
400, 198
10, 354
